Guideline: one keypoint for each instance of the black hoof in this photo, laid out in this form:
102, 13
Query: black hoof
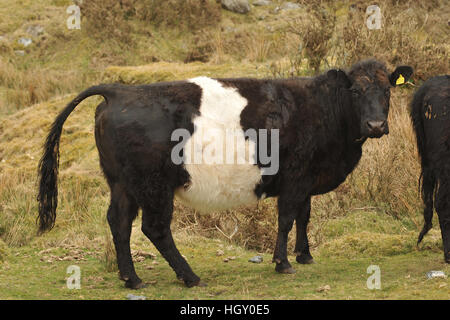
136, 284
196, 283
284, 268
304, 259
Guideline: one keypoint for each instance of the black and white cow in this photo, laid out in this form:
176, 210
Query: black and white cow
319, 125
430, 114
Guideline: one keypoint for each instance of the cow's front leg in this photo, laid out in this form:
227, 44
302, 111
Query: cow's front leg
287, 212
302, 244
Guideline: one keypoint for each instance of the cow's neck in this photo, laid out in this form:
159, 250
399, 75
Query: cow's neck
340, 116
337, 131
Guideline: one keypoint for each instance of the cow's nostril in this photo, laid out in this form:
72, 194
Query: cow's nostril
376, 125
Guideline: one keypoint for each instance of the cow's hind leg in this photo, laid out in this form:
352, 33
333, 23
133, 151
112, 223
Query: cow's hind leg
121, 213
302, 244
156, 218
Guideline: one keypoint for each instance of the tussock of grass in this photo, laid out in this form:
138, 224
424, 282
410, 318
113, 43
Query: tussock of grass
166, 71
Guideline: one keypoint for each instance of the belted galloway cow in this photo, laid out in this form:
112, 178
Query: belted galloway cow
290, 139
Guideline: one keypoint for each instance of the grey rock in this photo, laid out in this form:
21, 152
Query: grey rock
133, 297
290, 6
256, 259
262, 3
25, 41
238, 6
19, 53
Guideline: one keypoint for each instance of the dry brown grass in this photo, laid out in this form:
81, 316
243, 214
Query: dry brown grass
407, 36
180, 14
26, 87
315, 33
109, 17
116, 18
333, 34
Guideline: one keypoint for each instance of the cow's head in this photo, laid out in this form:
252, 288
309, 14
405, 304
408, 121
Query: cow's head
369, 85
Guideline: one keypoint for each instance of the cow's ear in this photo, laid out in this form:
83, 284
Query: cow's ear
332, 74
343, 79
400, 75
340, 77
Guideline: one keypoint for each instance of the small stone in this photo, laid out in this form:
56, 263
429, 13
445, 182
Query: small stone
19, 53
436, 274
219, 253
133, 297
256, 259
226, 260
25, 41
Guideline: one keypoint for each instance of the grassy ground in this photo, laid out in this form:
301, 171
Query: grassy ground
37, 273
371, 219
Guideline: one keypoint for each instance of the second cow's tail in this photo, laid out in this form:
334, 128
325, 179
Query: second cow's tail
428, 187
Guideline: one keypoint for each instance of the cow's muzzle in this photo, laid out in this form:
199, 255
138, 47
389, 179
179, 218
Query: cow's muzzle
376, 129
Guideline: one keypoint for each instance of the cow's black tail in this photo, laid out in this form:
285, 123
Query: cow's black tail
48, 165
427, 180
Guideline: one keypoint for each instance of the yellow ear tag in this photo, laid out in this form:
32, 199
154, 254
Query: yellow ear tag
400, 80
